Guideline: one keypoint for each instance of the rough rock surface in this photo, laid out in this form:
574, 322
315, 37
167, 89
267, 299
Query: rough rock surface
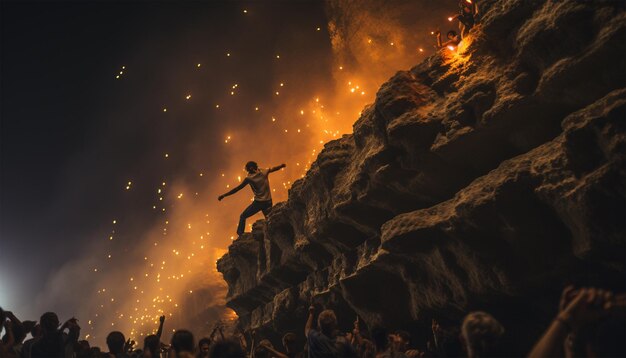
487, 178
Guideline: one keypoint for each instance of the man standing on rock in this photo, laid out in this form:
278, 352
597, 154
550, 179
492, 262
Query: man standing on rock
260, 184
467, 16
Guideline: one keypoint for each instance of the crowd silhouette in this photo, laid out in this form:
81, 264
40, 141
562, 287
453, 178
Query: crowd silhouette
589, 322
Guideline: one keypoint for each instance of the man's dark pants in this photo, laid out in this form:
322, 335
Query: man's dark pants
255, 207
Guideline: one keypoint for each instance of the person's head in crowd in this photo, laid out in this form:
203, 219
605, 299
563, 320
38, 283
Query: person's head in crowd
82, 349
49, 322
327, 322
151, 345
380, 338
204, 345
451, 35
290, 342
115, 342
182, 341
36, 331
401, 341
95, 352
481, 334
226, 348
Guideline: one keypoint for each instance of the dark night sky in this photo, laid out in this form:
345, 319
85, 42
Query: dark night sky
72, 134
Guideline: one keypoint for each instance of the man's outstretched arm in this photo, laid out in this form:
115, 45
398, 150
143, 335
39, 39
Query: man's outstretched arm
235, 189
273, 169
160, 330
274, 352
309, 322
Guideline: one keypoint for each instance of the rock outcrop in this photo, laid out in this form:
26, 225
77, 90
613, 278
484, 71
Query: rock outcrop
486, 178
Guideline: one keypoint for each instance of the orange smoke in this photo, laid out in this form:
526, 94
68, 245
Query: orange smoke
170, 269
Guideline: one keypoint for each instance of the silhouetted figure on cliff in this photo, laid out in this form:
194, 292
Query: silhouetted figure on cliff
467, 16
453, 39
259, 182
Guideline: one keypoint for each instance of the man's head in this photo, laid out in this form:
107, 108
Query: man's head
49, 322
95, 352
289, 342
481, 333
251, 167
327, 322
203, 346
82, 348
36, 331
451, 35
182, 341
401, 340
151, 343
115, 342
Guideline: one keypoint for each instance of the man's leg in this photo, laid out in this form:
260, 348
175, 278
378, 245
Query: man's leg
250, 210
267, 207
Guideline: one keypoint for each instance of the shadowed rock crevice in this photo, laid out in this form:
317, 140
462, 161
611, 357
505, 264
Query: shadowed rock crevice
484, 178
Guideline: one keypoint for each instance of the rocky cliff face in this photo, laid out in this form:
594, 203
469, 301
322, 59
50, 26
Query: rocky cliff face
486, 178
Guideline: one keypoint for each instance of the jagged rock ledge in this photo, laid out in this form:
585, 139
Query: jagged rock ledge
483, 179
